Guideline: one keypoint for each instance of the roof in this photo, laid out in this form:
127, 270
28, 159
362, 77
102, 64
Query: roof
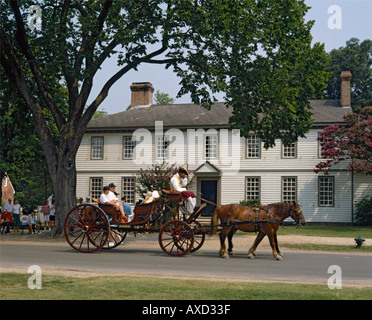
191, 116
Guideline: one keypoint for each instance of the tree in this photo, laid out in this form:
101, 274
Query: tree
258, 52
356, 56
163, 98
351, 142
21, 156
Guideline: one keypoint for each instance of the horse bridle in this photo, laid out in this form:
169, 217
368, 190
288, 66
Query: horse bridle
298, 213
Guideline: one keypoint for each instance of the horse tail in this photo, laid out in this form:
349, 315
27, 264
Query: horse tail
214, 220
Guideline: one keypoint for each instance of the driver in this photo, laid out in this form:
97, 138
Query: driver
179, 183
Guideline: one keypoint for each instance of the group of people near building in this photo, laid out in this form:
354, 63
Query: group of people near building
13, 216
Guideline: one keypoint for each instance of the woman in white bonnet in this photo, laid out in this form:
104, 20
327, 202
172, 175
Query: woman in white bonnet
151, 195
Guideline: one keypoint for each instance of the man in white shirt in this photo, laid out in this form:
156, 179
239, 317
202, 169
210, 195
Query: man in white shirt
179, 183
106, 198
8, 206
113, 197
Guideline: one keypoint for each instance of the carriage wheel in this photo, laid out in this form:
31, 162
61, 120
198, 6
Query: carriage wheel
176, 238
199, 235
116, 238
86, 228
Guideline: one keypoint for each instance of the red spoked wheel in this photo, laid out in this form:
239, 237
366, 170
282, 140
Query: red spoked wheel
199, 235
86, 228
176, 238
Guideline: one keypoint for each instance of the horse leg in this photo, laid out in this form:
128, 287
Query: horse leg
271, 236
251, 251
229, 238
276, 244
223, 235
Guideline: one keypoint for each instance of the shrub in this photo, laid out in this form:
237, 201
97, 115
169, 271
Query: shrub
363, 212
250, 203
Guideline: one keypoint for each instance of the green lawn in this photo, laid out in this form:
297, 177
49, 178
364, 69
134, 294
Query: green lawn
328, 231
14, 286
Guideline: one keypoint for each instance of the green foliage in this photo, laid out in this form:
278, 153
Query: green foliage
27, 200
250, 203
356, 56
363, 212
260, 53
163, 98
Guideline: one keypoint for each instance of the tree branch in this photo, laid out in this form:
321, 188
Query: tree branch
105, 89
90, 65
70, 80
12, 68
26, 50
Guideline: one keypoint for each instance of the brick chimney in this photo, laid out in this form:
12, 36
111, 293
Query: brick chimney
142, 94
345, 91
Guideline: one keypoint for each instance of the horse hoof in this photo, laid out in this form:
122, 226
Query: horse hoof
279, 258
224, 255
251, 256
231, 253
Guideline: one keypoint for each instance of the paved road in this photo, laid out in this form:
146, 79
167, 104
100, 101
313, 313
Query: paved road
297, 265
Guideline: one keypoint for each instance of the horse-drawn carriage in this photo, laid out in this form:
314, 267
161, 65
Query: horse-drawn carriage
90, 227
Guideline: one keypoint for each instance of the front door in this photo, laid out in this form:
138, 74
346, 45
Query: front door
208, 189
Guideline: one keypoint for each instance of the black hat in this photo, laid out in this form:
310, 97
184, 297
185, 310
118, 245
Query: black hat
111, 185
183, 170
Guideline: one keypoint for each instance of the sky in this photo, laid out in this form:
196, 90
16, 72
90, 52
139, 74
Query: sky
336, 21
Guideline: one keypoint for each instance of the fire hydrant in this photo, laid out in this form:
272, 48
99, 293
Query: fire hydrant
359, 241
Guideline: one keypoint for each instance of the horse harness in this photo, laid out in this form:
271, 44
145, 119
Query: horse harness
256, 220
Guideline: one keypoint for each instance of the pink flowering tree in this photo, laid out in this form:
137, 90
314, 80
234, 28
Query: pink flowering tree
158, 175
352, 142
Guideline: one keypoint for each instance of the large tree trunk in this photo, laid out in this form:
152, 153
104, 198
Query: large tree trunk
64, 180
65, 196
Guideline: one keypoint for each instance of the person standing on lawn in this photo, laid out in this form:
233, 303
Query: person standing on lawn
16, 211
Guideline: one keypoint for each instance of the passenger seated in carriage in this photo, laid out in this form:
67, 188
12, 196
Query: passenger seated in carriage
127, 209
179, 183
106, 198
152, 195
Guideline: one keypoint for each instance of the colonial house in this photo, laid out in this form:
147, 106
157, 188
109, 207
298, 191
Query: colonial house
229, 168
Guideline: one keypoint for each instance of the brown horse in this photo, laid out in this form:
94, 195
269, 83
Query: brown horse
264, 220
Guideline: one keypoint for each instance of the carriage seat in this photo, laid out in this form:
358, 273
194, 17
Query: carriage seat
142, 212
174, 196
109, 209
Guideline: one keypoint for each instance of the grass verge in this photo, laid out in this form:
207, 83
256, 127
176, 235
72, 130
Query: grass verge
328, 231
56, 287
327, 247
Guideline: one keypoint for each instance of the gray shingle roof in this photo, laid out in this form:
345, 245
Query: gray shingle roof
191, 115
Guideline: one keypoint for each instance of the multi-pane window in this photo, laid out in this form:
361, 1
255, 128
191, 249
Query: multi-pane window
128, 148
95, 187
326, 191
97, 148
252, 188
128, 189
210, 146
162, 147
253, 146
289, 189
290, 151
